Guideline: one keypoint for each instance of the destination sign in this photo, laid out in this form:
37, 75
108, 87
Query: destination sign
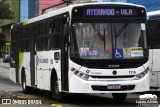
110, 12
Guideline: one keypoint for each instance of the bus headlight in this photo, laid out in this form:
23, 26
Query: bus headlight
80, 74
142, 74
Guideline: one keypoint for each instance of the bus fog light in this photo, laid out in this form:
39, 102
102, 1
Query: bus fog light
142, 74
86, 77
80, 74
76, 72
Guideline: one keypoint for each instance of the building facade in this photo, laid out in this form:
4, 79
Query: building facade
24, 10
6, 24
60, 3
43, 4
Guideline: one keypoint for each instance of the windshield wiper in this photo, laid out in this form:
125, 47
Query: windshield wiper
119, 32
98, 31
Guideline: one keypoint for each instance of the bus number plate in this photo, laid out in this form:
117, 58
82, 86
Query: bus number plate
114, 86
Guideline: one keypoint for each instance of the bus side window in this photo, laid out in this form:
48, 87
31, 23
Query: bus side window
57, 25
13, 45
21, 40
43, 34
47, 26
149, 36
55, 37
157, 45
50, 31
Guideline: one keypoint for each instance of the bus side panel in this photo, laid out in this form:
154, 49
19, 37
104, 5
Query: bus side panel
54, 64
46, 80
45, 63
156, 59
13, 74
155, 74
154, 79
43, 72
24, 61
40, 79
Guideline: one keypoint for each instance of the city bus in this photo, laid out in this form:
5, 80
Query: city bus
83, 48
153, 26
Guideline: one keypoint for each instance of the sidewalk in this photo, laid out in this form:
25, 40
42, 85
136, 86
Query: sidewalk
5, 65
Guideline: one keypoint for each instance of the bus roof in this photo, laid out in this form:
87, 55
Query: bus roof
153, 15
67, 9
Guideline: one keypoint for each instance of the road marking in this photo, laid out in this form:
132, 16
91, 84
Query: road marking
22, 97
56, 105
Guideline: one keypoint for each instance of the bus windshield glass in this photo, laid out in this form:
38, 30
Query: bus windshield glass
108, 40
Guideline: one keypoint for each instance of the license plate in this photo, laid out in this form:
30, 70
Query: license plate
114, 86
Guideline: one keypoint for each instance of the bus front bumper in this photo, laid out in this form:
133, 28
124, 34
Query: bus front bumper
78, 85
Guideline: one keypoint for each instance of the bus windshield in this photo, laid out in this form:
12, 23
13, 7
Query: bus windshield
108, 40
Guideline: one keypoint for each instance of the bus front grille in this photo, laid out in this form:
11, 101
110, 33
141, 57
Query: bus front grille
112, 77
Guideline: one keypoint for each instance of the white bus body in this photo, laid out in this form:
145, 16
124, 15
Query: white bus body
78, 76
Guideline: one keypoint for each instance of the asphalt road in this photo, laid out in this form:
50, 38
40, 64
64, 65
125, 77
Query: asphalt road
8, 89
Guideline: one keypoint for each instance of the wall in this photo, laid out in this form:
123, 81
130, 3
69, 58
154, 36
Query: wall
45, 8
43, 4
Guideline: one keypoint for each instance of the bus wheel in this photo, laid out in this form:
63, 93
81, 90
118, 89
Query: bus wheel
55, 91
119, 97
25, 88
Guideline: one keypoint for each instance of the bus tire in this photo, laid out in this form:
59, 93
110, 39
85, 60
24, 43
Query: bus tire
26, 89
119, 97
56, 94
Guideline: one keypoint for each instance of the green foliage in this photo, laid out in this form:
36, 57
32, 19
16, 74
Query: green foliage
5, 12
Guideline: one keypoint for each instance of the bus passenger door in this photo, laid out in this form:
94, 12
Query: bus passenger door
14, 62
64, 53
33, 70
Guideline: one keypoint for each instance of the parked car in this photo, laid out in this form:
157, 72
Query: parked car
6, 58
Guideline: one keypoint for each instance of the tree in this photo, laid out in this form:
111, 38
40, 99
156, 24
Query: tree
5, 12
